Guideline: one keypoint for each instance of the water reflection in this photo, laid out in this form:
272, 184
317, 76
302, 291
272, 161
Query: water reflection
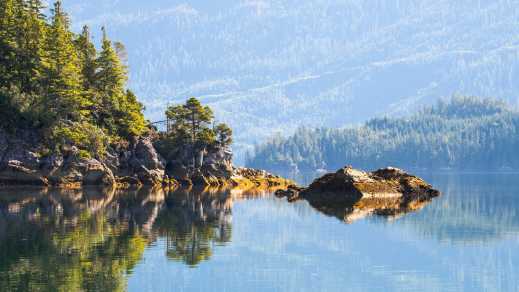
193, 221
65, 241
390, 209
90, 239
201, 240
474, 208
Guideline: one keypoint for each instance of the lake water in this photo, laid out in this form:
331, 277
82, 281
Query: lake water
151, 240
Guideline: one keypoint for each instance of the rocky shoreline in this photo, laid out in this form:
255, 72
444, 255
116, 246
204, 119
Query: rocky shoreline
351, 194
138, 164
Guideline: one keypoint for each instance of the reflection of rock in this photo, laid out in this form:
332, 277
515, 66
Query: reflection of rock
391, 208
351, 194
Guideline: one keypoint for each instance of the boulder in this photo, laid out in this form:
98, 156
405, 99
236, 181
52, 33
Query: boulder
351, 194
97, 173
145, 155
349, 185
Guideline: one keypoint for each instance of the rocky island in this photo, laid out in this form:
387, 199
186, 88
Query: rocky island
67, 118
350, 194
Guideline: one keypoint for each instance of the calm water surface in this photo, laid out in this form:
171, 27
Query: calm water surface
151, 240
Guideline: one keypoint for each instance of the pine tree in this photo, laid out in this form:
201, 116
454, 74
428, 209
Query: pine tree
110, 83
197, 117
64, 99
8, 45
223, 135
111, 78
88, 58
30, 38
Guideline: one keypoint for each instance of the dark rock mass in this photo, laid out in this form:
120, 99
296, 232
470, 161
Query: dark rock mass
350, 194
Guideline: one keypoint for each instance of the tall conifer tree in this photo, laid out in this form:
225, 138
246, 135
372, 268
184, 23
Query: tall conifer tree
63, 77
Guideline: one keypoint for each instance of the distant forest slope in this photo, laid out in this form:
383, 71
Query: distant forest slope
465, 133
269, 66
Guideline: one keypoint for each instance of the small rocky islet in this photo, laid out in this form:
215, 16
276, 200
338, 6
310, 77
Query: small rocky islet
350, 194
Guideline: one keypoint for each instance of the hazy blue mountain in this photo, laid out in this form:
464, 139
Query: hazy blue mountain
268, 66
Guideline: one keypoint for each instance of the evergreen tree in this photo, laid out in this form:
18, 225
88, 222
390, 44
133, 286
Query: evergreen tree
130, 120
189, 126
8, 45
88, 58
31, 31
54, 81
197, 116
223, 135
110, 82
111, 78
64, 98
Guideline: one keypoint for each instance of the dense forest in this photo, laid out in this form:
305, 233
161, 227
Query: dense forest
56, 83
465, 133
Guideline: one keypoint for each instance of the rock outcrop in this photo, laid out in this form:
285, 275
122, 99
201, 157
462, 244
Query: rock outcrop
21, 164
137, 163
213, 167
351, 194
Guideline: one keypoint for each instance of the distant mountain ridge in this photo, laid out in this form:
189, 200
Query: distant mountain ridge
270, 66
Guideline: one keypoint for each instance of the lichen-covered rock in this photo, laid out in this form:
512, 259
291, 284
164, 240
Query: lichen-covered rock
145, 155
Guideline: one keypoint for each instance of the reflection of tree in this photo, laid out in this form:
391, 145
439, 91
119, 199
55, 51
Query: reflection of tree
90, 239
67, 241
193, 222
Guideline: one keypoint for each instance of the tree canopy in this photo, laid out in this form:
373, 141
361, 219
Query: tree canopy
55, 81
191, 126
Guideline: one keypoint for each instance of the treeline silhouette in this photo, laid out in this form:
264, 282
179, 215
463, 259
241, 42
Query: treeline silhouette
465, 133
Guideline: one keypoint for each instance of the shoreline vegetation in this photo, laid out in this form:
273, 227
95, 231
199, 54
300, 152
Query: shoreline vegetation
68, 120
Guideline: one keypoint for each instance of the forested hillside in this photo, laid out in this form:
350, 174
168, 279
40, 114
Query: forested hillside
55, 85
271, 65
465, 133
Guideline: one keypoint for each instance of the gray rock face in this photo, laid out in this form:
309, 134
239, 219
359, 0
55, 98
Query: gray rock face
212, 167
21, 165
144, 154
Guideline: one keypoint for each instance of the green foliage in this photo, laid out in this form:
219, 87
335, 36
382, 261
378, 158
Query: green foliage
189, 126
63, 91
68, 249
223, 134
87, 137
466, 133
55, 81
